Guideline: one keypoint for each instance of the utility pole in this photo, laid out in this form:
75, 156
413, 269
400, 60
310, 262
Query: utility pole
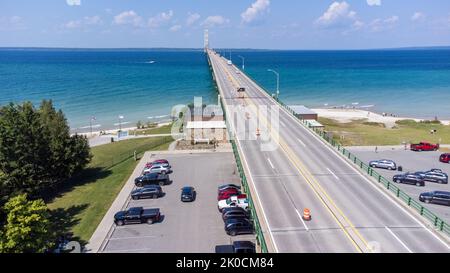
278, 81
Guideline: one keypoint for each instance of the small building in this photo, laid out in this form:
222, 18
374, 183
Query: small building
303, 112
206, 131
312, 123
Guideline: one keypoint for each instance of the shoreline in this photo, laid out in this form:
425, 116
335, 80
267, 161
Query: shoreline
345, 115
109, 132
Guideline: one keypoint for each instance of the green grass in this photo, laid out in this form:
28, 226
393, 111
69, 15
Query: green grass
87, 202
165, 129
361, 132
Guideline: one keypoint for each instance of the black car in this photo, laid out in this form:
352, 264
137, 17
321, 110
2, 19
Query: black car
237, 247
152, 179
409, 178
235, 212
228, 186
434, 175
436, 197
148, 191
235, 227
137, 215
188, 194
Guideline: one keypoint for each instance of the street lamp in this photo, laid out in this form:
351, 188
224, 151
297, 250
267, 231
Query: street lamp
120, 123
278, 81
243, 62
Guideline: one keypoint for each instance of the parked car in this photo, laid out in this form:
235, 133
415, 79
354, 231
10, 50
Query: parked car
137, 215
158, 168
148, 191
235, 227
228, 186
158, 161
188, 194
384, 164
409, 178
444, 158
152, 179
233, 201
424, 146
436, 197
224, 196
434, 175
237, 247
235, 212
229, 191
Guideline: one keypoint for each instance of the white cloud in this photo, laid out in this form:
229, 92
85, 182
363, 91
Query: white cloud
175, 28
338, 14
255, 10
86, 21
216, 20
160, 19
73, 2
374, 2
383, 24
418, 16
192, 18
128, 18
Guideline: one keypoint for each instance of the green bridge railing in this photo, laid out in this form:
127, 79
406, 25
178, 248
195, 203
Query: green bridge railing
259, 234
437, 222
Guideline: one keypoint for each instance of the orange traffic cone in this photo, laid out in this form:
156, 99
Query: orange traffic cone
306, 215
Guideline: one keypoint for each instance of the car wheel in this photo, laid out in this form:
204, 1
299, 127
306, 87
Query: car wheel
120, 223
135, 198
161, 183
420, 150
397, 181
418, 184
427, 201
139, 184
149, 221
373, 166
233, 233
155, 196
163, 172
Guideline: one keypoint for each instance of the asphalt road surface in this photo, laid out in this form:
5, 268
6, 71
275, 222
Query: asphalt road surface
350, 213
195, 227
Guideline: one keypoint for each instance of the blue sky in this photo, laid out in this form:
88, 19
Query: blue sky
281, 24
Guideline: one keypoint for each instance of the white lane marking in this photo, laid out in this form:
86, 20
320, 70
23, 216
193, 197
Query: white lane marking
398, 239
301, 142
301, 218
270, 162
354, 169
256, 190
332, 173
282, 124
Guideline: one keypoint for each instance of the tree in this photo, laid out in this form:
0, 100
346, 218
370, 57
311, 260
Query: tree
28, 228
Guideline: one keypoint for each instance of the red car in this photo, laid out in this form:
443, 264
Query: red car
228, 195
445, 158
424, 146
158, 161
228, 190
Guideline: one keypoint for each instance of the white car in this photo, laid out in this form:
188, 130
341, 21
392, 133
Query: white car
158, 168
233, 201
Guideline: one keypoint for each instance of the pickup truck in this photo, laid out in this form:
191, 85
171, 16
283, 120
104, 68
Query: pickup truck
137, 215
424, 146
233, 201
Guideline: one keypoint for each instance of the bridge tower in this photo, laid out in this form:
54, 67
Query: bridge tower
206, 39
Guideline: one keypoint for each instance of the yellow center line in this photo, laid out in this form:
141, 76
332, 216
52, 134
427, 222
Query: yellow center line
312, 182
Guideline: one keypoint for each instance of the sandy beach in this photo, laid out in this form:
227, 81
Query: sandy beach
347, 115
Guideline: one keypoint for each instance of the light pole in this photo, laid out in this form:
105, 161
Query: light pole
120, 123
278, 81
243, 62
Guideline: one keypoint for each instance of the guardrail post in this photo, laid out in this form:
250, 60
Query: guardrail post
409, 201
421, 211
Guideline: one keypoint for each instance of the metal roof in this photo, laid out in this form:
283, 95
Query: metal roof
313, 123
213, 124
302, 110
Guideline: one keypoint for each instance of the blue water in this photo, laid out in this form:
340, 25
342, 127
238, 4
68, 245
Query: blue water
110, 83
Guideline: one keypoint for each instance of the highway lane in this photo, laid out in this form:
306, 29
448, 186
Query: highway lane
361, 211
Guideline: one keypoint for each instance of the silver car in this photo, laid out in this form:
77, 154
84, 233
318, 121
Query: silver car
384, 164
158, 168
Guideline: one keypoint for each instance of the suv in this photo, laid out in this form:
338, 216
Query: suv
434, 175
383, 163
188, 194
444, 158
137, 215
437, 197
235, 227
409, 178
148, 191
235, 212
152, 179
158, 168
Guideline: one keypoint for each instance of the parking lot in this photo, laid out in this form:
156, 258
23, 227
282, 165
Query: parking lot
186, 227
411, 162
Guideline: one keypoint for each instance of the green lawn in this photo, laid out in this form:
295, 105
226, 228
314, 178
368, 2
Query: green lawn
165, 129
360, 132
81, 208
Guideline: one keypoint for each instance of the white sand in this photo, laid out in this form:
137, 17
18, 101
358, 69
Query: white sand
347, 115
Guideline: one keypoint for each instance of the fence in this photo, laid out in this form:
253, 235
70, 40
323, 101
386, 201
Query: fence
438, 223
259, 234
